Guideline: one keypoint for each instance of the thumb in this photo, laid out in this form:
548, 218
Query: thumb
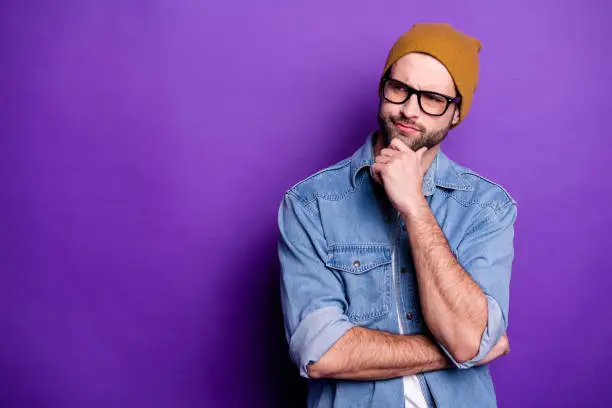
376, 175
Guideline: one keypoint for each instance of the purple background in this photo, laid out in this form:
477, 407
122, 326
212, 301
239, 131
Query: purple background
145, 147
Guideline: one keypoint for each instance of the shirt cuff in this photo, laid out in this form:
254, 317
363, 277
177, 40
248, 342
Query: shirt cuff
316, 334
493, 332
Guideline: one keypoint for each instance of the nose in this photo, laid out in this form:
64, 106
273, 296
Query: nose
411, 108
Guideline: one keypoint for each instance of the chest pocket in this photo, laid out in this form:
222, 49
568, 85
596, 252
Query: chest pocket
366, 272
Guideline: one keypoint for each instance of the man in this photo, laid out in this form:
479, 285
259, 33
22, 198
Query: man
396, 261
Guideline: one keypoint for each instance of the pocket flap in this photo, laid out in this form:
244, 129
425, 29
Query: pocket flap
358, 258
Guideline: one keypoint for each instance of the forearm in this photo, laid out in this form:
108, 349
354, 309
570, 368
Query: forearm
453, 305
364, 354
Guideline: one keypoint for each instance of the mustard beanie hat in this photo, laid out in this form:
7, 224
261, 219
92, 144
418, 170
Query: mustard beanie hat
457, 51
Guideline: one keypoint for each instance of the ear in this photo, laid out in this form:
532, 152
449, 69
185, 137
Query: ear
456, 116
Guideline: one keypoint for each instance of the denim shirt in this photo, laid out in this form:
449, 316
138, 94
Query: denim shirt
346, 261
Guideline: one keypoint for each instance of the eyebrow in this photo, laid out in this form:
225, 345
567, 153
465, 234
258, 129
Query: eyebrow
426, 90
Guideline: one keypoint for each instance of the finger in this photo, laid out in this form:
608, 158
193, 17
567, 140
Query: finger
389, 152
399, 145
380, 168
377, 172
383, 159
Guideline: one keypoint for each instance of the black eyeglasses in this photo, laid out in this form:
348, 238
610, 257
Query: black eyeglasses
432, 103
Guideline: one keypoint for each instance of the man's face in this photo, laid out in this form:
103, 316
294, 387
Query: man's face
407, 121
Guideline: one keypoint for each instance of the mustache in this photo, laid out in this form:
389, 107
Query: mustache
409, 123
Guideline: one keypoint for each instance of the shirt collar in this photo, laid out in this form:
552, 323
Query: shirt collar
442, 172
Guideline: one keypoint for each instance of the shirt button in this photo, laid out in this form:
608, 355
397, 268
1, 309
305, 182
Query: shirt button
404, 270
404, 227
356, 264
409, 316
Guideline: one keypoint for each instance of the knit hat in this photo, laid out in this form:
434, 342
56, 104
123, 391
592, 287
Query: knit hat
457, 51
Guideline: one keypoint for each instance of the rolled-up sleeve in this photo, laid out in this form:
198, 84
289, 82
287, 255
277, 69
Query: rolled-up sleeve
486, 253
312, 294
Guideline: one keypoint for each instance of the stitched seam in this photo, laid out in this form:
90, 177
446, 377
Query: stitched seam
342, 195
486, 204
356, 172
381, 253
336, 196
304, 204
494, 217
472, 173
466, 186
380, 311
337, 166
381, 249
480, 225
369, 245
503, 208
330, 197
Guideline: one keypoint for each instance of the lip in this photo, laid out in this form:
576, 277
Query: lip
407, 128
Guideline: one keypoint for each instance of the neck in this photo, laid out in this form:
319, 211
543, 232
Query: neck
429, 156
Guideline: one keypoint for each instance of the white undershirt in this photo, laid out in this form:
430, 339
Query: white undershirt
413, 394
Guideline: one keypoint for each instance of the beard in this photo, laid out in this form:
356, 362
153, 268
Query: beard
424, 138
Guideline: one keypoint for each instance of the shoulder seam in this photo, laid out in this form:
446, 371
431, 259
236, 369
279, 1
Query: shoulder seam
492, 216
467, 171
303, 203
